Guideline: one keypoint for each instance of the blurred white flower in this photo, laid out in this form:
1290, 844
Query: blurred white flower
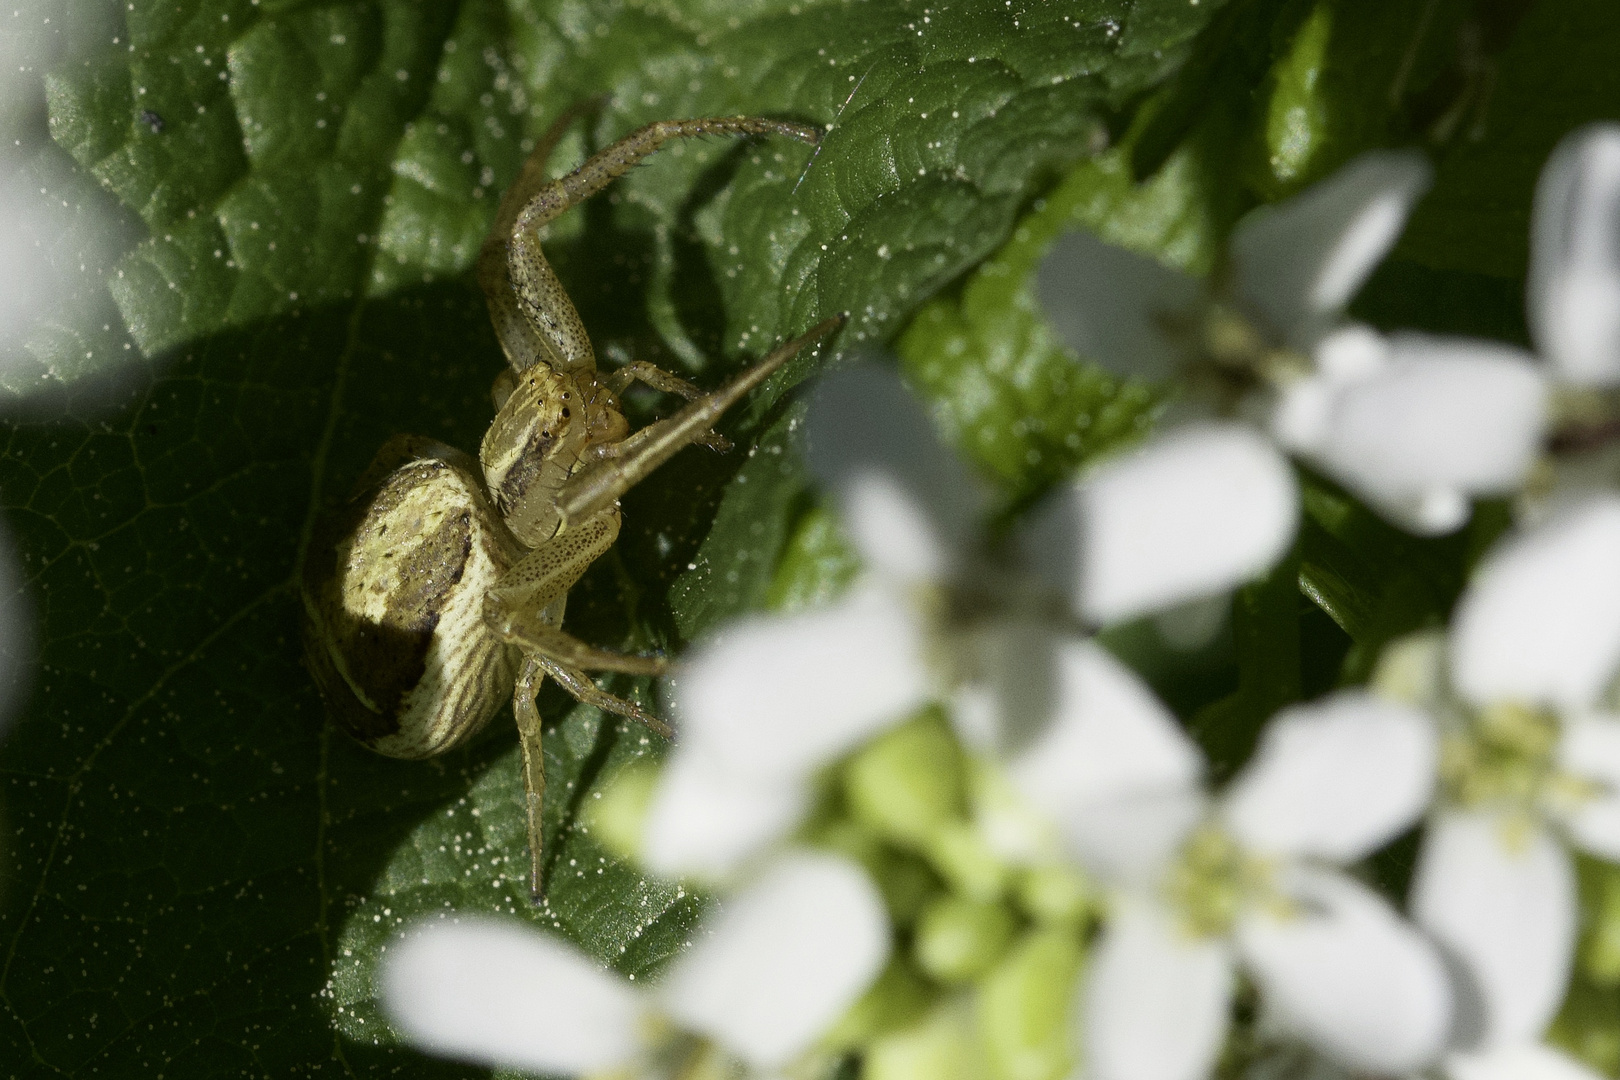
1572, 300
1525, 1062
1202, 885
1530, 766
772, 698
771, 970
1572, 296
1416, 425
1183, 518
764, 704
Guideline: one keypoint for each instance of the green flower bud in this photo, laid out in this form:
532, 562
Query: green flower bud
907, 885
963, 858
1600, 956
908, 784
1054, 893
898, 999
958, 940
1585, 1027
616, 813
944, 1046
846, 838
1026, 1008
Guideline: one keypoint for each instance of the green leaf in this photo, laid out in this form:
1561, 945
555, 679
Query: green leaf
1009, 396
1541, 76
199, 873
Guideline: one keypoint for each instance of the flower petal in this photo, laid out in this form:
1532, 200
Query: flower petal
1155, 1001
1109, 304
705, 820
1573, 292
499, 993
1590, 750
1540, 622
1526, 1061
1301, 261
1109, 735
780, 696
1349, 975
1110, 742
1499, 898
1129, 840
1336, 779
1440, 420
1192, 513
782, 960
908, 502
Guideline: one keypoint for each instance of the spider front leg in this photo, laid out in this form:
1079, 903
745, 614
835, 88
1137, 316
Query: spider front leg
583, 690
625, 464
534, 318
659, 379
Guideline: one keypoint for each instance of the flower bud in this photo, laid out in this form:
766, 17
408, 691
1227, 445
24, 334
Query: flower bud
908, 784
1026, 1004
1054, 893
958, 940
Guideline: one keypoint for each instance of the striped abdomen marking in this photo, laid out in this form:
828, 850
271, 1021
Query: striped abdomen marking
393, 602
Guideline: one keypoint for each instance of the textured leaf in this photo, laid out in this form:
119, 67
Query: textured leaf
199, 873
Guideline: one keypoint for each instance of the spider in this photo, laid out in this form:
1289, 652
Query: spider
438, 589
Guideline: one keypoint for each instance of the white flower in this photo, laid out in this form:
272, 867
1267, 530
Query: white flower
1416, 425
1572, 300
1531, 765
1300, 262
774, 967
764, 704
1573, 292
1201, 886
1183, 518
772, 698
1523, 1062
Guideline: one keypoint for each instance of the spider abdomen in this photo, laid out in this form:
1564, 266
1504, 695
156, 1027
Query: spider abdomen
393, 605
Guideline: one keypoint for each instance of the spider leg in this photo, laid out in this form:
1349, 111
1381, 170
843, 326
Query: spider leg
534, 636
534, 763
596, 487
577, 683
523, 606
659, 379
520, 340
654, 376
530, 292
544, 576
